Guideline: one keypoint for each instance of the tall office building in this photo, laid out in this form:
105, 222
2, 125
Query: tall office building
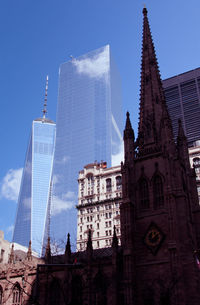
182, 93
32, 213
89, 128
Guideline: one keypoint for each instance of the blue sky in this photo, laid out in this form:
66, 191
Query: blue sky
38, 35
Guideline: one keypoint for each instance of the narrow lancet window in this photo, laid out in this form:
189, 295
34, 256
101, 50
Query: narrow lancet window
144, 194
17, 297
158, 192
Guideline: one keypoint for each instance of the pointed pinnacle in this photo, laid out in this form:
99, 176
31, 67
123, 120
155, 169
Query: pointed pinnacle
128, 131
68, 245
115, 239
11, 257
181, 132
144, 10
89, 241
29, 252
48, 249
128, 122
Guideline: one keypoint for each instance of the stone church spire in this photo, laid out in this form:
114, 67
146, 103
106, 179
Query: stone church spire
152, 102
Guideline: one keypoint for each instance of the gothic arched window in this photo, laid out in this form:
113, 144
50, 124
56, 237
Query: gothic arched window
158, 192
17, 295
144, 193
100, 290
1, 295
55, 293
77, 290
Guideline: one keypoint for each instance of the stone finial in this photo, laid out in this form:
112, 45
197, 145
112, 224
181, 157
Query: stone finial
12, 255
68, 249
181, 133
48, 251
29, 252
89, 249
115, 239
128, 131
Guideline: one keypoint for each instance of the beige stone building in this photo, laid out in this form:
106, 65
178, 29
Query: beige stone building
100, 194
4, 248
194, 155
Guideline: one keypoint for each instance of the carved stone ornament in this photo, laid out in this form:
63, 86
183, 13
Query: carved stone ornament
154, 238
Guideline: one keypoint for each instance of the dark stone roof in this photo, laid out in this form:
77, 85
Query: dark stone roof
81, 257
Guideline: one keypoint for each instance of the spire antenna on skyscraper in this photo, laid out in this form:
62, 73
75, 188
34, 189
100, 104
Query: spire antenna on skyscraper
45, 99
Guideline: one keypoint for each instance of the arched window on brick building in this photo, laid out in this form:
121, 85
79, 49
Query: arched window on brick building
17, 295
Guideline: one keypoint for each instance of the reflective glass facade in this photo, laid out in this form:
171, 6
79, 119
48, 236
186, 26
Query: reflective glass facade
89, 128
35, 186
182, 93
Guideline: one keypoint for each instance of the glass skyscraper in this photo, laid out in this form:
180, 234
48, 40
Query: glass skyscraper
88, 129
32, 214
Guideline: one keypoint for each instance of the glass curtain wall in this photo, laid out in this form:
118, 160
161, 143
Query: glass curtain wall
35, 186
89, 129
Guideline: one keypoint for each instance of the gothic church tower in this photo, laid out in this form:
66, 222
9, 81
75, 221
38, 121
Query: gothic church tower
160, 215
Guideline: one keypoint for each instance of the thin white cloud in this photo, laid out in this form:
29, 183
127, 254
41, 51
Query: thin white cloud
117, 158
10, 184
94, 67
63, 203
10, 229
